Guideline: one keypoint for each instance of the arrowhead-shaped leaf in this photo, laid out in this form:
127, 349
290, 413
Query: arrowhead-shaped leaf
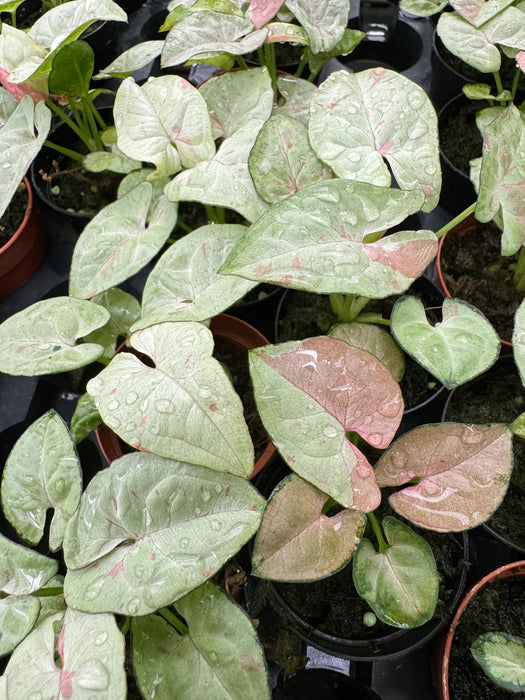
464, 471
518, 340
358, 121
23, 571
18, 614
131, 60
401, 585
309, 394
282, 162
206, 35
262, 12
185, 284
297, 542
423, 8
72, 69
184, 407
120, 240
325, 22
220, 658
314, 240
21, 138
224, 181
477, 12
20, 56
237, 97
165, 122
502, 180
42, 472
375, 340
463, 345
91, 651
297, 94
502, 657
149, 530
85, 418
41, 338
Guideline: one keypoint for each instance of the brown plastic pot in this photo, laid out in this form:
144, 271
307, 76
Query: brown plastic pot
22, 255
442, 652
225, 327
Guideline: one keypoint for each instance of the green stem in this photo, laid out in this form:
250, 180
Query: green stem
173, 620
373, 318
88, 111
49, 592
302, 64
211, 214
383, 546
337, 302
261, 55
515, 82
456, 220
269, 55
13, 18
519, 272
184, 227
356, 306
497, 80
125, 627
74, 155
63, 116
242, 63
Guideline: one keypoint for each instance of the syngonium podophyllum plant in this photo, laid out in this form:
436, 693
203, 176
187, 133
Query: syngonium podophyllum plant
502, 658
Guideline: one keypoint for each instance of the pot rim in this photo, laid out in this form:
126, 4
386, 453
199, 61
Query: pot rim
18, 233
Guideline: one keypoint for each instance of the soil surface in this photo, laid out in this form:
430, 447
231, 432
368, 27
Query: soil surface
459, 137
13, 215
498, 607
474, 270
498, 397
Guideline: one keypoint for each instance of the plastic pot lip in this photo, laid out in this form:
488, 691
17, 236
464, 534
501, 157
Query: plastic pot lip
516, 568
439, 57
19, 232
226, 327
457, 98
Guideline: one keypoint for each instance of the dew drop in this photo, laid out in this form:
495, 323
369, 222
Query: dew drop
96, 385
113, 405
35, 696
93, 590
101, 638
375, 438
112, 422
330, 431
131, 397
5, 166
133, 606
216, 525
93, 675
198, 511
204, 392
59, 485
139, 571
164, 406
206, 495
218, 488
184, 542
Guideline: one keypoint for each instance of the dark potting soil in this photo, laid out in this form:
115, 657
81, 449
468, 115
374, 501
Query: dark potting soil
236, 361
474, 270
306, 315
74, 189
459, 137
498, 607
13, 215
498, 397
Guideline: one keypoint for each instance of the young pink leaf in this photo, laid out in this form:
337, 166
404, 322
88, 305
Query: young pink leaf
262, 11
464, 472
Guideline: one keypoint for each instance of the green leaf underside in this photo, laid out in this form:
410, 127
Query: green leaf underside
296, 542
463, 345
42, 472
309, 394
401, 585
185, 284
358, 121
41, 338
464, 472
502, 657
183, 408
124, 310
23, 571
90, 659
120, 240
149, 530
375, 340
219, 659
132, 60
323, 251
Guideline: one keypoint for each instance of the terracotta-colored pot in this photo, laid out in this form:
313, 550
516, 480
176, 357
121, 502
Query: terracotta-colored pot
516, 568
228, 328
464, 228
22, 255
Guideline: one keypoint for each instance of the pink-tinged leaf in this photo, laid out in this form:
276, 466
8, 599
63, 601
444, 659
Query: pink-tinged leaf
520, 61
262, 11
477, 12
296, 542
464, 472
309, 394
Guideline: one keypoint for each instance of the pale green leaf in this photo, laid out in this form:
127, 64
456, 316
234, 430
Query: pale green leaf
282, 161
8, 104
124, 311
112, 160
165, 122
423, 8
183, 408
297, 95
41, 339
314, 240
518, 340
21, 56
10, 5
220, 658
42, 472
324, 22
455, 350
297, 542
120, 240
85, 418
309, 394
18, 614
360, 120
149, 530
350, 40
477, 12
185, 284
401, 585
23, 571
502, 657
131, 60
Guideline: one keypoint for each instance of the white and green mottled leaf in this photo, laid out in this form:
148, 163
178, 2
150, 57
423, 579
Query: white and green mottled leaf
183, 408
149, 530
85, 418
23, 571
120, 240
41, 339
518, 340
358, 121
502, 657
18, 614
21, 56
477, 12
455, 350
42, 472
423, 8
124, 311
220, 658
132, 60
324, 22
315, 240
297, 95
185, 284
401, 584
